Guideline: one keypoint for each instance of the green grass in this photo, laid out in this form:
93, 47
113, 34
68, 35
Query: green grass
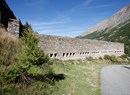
78, 77
81, 77
23, 68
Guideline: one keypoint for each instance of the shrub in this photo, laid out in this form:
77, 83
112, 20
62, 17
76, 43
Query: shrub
22, 63
123, 56
32, 57
9, 48
10, 51
100, 58
107, 57
89, 58
113, 58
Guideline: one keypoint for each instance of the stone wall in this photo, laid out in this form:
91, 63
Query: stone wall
9, 20
14, 27
73, 48
5, 13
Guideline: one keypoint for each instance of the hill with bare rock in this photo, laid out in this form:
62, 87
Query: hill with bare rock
119, 18
115, 29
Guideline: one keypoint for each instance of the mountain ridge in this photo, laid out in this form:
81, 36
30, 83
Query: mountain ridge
114, 29
119, 17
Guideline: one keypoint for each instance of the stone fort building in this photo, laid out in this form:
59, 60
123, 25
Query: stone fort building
8, 20
66, 48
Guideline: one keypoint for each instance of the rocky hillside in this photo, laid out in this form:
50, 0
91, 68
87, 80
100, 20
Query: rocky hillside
117, 34
115, 29
115, 20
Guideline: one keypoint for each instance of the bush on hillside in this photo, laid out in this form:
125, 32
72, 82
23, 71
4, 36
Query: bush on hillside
34, 60
22, 63
123, 56
9, 55
107, 57
89, 58
10, 50
113, 58
100, 58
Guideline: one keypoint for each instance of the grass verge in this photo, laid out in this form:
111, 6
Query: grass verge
81, 77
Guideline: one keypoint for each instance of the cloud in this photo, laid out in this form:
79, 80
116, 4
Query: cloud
60, 29
87, 2
60, 25
65, 31
58, 20
44, 27
32, 3
84, 4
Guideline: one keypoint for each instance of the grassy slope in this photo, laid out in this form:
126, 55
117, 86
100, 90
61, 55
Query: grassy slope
82, 77
10, 61
9, 48
117, 34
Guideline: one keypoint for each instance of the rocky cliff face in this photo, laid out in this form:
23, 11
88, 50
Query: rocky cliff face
118, 18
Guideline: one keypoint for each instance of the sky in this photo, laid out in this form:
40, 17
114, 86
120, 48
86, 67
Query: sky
64, 17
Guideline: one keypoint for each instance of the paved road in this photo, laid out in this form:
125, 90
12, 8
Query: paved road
115, 80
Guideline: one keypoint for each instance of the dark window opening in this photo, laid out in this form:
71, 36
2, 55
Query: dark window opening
63, 54
67, 54
55, 55
51, 55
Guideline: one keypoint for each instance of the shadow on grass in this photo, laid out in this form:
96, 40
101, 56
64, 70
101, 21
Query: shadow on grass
23, 82
49, 78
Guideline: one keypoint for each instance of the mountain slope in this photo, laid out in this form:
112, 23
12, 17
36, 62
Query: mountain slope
117, 34
117, 30
118, 18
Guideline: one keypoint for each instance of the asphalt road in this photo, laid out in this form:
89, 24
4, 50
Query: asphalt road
115, 80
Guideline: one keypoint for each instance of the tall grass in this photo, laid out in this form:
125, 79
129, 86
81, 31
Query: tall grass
9, 48
24, 68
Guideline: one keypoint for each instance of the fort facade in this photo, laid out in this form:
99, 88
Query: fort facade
8, 20
66, 48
